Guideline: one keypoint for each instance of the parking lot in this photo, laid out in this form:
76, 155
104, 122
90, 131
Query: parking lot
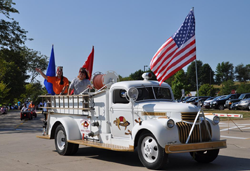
21, 150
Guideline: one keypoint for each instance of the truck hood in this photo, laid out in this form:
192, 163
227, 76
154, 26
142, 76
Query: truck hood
163, 106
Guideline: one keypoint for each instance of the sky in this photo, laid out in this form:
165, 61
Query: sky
127, 33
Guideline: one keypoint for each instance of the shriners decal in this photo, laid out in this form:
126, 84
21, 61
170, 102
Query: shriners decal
121, 121
85, 127
85, 124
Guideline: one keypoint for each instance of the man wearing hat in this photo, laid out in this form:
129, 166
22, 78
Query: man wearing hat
80, 83
60, 83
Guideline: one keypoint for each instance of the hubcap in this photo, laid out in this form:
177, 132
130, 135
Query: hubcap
60, 140
149, 149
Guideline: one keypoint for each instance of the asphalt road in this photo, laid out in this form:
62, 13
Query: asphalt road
21, 150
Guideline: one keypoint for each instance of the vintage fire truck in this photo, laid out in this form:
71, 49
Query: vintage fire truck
132, 115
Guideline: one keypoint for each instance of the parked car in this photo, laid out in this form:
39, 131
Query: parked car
192, 99
234, 106
244, 104
200, 100
206, 103
184, 99
210, 102
219, 103
231, 101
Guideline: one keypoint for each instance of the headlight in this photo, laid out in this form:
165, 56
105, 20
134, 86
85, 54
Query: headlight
214, 102
170, 123
216, 120
133, 93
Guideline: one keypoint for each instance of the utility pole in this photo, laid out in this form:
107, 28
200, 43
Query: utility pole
145, 67
210, 75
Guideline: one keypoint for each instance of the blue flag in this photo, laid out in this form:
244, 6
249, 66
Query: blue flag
51, 71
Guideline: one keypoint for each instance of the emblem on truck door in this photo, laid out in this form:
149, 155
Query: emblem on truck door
121, 121
85, 124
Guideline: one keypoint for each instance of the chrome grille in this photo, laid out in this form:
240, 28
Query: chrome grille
190, 117
184, 129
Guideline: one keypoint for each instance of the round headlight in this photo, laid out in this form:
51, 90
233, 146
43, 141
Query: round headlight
170, 123
216, 120
133, 93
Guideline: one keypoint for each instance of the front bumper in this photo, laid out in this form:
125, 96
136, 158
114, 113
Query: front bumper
202, 146
215, 106
242, 106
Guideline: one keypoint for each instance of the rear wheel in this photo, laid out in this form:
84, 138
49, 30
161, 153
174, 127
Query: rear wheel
150, 153
205, 156
63, 147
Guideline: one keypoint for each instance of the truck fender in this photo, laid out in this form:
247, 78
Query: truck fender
71, 128
158, 128
215, 130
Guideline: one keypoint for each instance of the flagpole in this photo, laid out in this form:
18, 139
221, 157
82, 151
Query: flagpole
197, 85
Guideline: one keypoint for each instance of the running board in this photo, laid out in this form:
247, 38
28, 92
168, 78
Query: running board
102, 145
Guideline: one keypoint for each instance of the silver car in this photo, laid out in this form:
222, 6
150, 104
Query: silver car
244, 104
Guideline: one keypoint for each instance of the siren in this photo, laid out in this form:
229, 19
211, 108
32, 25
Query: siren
104, 80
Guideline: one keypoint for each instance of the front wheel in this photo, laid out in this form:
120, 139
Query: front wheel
205, 156
150, 153
221, 107
63, 147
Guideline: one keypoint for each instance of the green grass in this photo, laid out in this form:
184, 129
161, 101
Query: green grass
245, 113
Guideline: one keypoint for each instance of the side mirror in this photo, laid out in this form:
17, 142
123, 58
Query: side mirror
123, 94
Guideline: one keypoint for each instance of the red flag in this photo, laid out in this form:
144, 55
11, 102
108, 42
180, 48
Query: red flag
88, 64
178, 51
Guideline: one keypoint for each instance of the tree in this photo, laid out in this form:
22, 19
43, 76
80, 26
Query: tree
242, 72
12, 35
34, 59
13, 73
191, 74
178, 83
227, 87
243, 88
33, 90
137, 75
16, 60
224, 72
207, 90
206, 75
4, 92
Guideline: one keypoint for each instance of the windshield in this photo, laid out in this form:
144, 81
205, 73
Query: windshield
242, 96
210, 98
225, 97
192, 99
154, 93
219, 97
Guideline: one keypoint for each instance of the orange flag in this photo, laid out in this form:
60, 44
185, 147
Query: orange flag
88, 64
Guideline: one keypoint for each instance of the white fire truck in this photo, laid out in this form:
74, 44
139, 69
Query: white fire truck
129, 115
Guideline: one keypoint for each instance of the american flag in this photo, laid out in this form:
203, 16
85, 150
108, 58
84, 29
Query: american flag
178, 51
